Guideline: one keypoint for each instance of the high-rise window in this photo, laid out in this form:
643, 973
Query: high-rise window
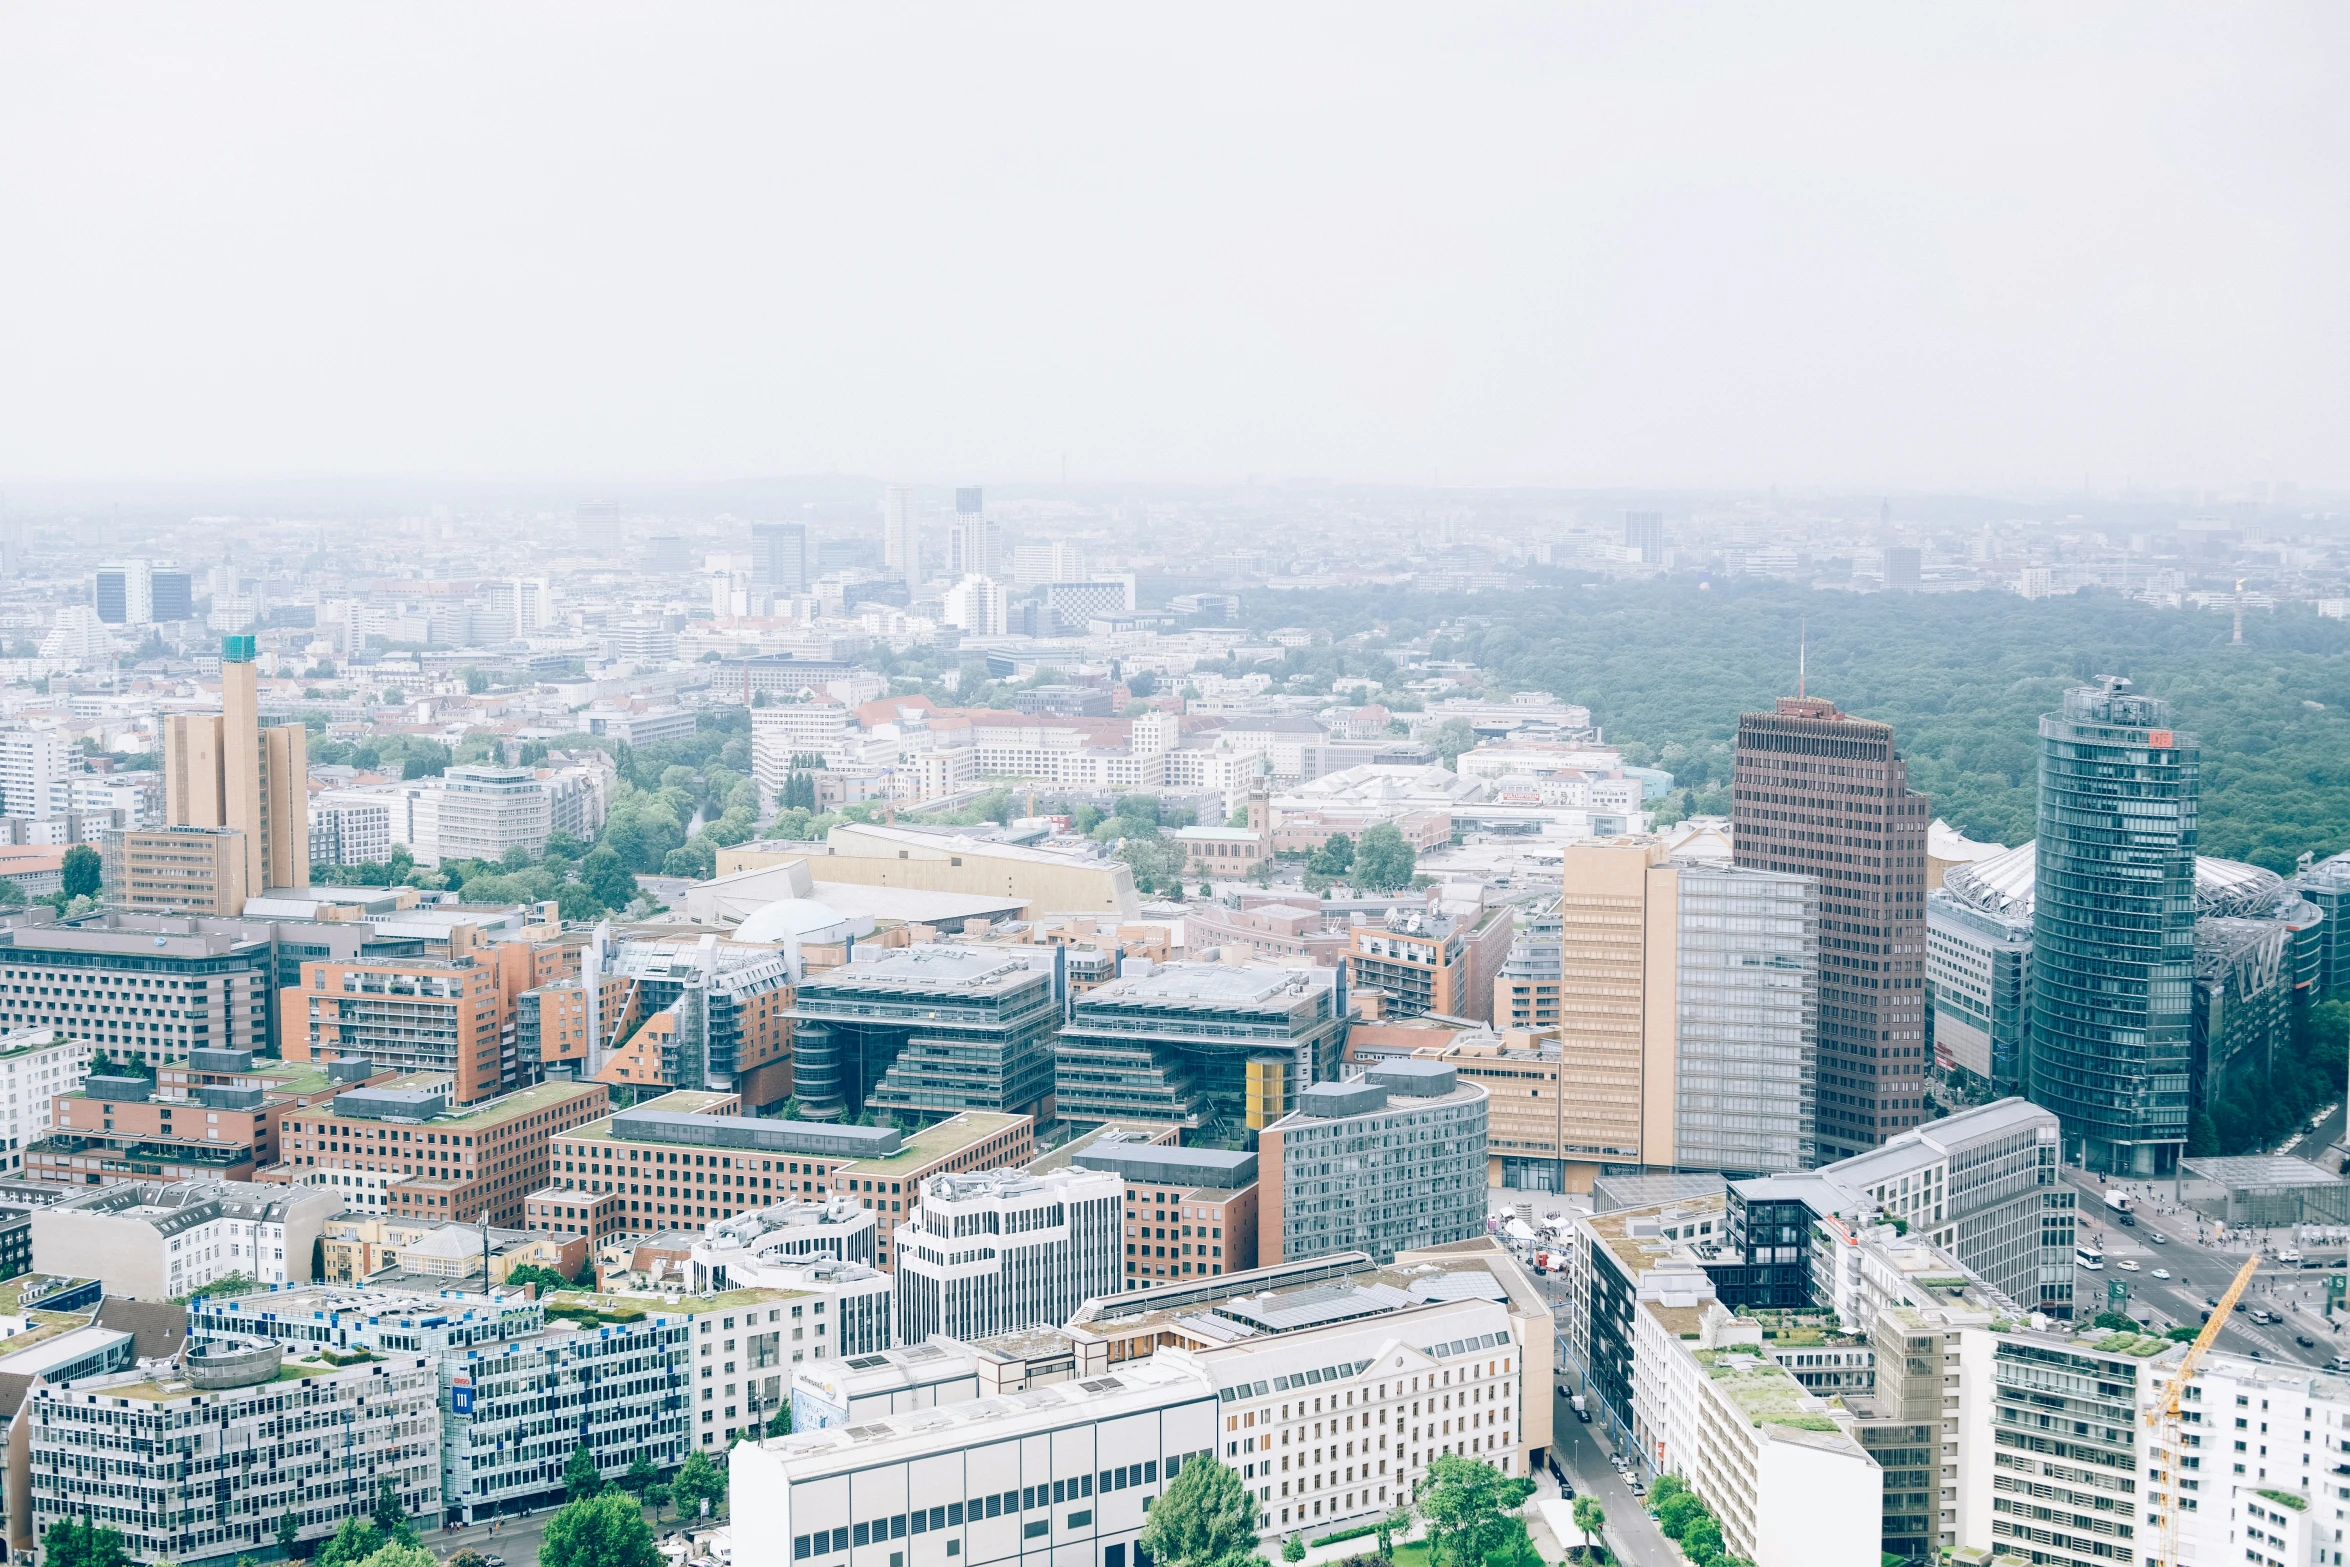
2113, 928
1823, 794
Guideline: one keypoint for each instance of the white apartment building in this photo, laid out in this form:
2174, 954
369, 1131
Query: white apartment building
1060, 561
142, 1452
486, 810
790, 729
1322, 1424
416, 819
1045, 750
34, 765
2259, 1480
350, 827
577, 801
978, 606
503, 1364
157, 1240
139, 796
1782, 1468
995, 1251
36, 1065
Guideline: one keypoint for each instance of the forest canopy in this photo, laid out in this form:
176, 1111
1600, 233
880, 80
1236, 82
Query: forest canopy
1667, 665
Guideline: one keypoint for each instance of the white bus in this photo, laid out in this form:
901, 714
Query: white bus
2088, 1256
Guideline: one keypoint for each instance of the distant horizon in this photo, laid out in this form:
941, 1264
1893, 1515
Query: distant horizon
1994, 248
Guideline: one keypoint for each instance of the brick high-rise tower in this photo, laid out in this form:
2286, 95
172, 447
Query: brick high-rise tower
1822, 793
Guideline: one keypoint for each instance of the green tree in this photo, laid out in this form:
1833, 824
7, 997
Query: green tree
1449, 739
1676, 1513
604, 1530
698, 1480
397, 1554
575, 901
389, 1515
289, 1530
1336, 857
1383, 862
779, 1424
81, 872
1293, 1549
641, 1477
602, 873
1396, 1521
1701, 1542
580, 1478
353, 1543
11, 893
1205, 1518
84, 1544
1590, 1519
1469, 1506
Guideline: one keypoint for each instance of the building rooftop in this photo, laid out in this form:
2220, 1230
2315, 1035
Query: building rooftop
1136, 1386
491, 1112
1210, 985
977, 971
1768, 1395
1126, 1134
939, 1140
25, 1041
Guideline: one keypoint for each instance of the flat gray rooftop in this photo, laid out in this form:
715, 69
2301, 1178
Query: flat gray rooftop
1208, 983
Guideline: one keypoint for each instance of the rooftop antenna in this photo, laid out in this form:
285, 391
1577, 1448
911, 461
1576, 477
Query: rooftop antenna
1802, 653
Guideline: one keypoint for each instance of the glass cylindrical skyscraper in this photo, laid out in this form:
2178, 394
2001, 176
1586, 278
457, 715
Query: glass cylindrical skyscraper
2113, 928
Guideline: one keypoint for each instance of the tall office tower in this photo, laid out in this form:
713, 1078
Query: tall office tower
1904, 563
1002, 1250
124, 592
171, 596
901, 536
1645, 531
2113, 928
1822, 794
779, 557
1687, 996
973, 542
224, 770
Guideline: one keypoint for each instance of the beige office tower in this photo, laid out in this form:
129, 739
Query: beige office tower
224, 770
1687, 1020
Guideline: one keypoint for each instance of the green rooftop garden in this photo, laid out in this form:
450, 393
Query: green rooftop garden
2299, 1504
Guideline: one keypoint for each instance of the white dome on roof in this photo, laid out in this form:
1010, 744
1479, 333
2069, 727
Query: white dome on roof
800, 919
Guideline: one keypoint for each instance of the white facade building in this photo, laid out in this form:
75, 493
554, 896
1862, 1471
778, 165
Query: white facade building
487, 810
332, 1432
36, 1065
1001, 1250
157, 1240
789, 729
34, 765
978, 606
350, 827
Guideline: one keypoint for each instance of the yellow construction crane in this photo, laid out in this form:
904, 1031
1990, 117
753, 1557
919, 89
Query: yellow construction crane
2166, 1419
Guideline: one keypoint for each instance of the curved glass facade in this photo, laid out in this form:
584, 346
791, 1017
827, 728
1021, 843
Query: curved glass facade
2113, 928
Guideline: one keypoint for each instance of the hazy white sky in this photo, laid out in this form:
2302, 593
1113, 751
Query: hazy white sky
1876, 245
